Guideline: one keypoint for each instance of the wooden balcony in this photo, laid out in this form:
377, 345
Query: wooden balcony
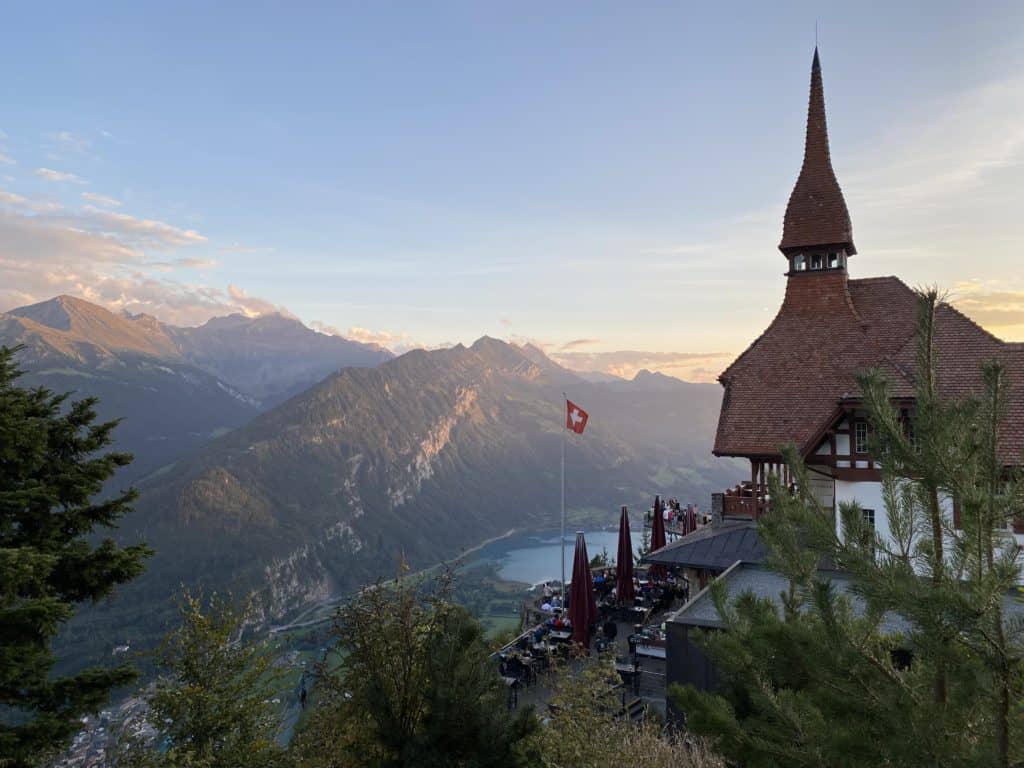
744, 500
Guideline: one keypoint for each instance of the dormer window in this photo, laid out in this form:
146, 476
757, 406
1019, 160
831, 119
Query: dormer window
817, 261
799, 263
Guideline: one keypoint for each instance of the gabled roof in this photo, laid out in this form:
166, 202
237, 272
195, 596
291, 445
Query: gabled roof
816, 214
714, 547
787, 384
744, 578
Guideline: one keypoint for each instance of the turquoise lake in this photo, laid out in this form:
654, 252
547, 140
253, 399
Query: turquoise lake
535, 557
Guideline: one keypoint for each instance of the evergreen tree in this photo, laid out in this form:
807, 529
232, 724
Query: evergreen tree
586, 728
212, 705
52, 466
919, 665
414, 685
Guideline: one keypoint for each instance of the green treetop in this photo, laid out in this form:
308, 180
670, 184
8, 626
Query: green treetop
212, 705
414, 685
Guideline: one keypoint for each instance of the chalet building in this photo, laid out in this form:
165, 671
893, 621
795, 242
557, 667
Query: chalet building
795, 383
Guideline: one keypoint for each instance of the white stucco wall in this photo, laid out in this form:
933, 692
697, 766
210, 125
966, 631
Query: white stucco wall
869, 496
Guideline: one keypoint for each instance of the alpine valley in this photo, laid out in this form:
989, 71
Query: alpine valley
415, 458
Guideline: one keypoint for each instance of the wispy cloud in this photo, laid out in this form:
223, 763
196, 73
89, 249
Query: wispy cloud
196, 263
44, 253
253, 306
144, 233
186, 263
244, 249
103, 200
48, 174
994, 304
396, 342
399, 343
947, 150
25, 204
576, 343
692, 366
68, 141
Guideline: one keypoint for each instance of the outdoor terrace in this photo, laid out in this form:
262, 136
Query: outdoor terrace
632, 635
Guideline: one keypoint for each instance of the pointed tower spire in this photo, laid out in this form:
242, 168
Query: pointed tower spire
816, 217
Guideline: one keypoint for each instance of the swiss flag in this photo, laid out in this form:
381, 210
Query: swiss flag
575, 417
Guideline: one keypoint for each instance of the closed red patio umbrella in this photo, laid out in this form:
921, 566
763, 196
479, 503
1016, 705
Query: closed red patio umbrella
624, 589
582, 605
657, 538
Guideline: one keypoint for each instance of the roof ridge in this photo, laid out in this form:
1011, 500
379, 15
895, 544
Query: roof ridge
951, 308
879, 279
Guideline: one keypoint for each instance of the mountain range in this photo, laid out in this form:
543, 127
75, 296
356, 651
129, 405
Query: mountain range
174, 387
303, 498
414, 460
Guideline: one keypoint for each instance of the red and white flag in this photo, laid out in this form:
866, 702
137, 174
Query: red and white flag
575, 417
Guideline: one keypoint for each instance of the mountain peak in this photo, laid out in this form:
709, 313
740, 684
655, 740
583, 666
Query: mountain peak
76, 320
488, 342
654, 380
60, 312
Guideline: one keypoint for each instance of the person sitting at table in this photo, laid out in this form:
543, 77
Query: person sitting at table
610, 629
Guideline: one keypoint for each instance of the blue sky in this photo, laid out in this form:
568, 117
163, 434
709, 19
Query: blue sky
607, 179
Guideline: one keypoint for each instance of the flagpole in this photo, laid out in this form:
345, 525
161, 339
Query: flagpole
565, 408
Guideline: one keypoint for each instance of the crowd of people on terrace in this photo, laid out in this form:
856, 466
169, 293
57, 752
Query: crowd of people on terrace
648, 592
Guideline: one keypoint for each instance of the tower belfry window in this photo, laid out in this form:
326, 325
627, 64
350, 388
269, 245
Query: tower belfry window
833, 260
816, 261
799, 263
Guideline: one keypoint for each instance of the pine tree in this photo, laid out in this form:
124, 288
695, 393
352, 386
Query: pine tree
413, 685
827, 680
212, 704
586, 729
52, 468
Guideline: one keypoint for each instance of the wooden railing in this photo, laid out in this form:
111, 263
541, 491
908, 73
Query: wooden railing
741, 506
744, 500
